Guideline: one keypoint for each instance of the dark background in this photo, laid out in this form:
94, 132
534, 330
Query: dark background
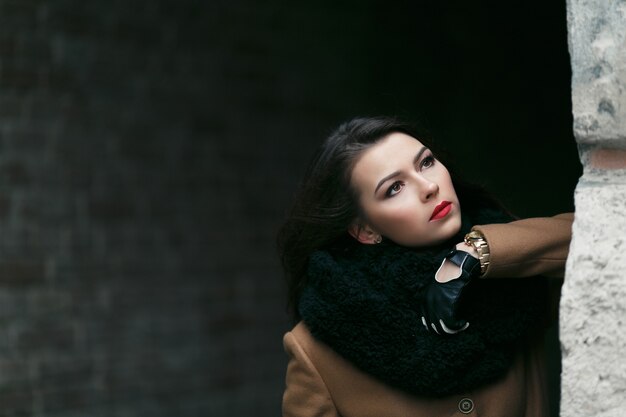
149, 149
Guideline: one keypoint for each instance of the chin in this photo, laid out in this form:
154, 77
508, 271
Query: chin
456, 225
455, 229
451, 230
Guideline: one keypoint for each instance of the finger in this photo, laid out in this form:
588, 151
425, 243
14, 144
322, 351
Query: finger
428, 317
453, 331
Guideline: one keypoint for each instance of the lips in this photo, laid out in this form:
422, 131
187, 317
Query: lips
441, 210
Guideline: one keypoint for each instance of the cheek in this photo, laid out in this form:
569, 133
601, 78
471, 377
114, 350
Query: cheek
404, 227
448, 183
404, 215
400, 218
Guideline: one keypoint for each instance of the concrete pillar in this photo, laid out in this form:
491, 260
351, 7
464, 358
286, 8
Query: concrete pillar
593, 303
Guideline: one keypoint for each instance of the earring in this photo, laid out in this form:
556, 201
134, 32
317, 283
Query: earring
378, 239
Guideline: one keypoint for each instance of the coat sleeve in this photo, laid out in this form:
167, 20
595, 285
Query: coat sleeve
306, 394
534, 246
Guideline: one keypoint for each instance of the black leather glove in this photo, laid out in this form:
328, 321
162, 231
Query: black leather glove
441, 299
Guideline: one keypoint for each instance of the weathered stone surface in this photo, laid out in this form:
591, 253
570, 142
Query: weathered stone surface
593, 306
597, 43
593, 312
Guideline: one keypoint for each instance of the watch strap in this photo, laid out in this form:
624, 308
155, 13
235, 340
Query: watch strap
478, 241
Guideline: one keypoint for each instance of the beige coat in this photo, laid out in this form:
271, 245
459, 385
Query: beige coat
321, 383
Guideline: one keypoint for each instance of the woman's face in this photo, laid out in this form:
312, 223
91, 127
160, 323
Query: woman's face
406, 195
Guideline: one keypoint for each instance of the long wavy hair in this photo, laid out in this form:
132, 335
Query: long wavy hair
326, 204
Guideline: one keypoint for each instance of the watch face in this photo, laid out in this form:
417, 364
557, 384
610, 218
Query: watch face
474, 234
472, 237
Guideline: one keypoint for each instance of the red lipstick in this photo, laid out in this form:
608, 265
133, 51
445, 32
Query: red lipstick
441, 210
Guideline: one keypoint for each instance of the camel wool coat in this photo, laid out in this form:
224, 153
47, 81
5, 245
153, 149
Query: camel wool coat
320, 383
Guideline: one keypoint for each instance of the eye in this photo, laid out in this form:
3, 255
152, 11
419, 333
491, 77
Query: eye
394, 189
428, 162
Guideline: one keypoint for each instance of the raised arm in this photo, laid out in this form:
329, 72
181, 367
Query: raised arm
534, 246
522, 248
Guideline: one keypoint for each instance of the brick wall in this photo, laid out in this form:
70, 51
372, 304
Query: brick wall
148, 150
113, 301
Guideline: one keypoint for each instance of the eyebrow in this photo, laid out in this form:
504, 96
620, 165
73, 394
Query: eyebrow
395, 174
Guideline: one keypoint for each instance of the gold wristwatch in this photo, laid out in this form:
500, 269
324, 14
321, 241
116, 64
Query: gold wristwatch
477, 240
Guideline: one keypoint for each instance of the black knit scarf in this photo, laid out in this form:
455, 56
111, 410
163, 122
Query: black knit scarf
364, 302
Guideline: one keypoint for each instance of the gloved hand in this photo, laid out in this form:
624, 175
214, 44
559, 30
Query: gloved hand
441, 299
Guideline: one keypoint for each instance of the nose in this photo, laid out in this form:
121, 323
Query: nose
427, 189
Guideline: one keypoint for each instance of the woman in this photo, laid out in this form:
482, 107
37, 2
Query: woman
390, 321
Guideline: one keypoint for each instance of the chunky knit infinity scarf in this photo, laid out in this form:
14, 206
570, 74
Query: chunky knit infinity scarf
364, 302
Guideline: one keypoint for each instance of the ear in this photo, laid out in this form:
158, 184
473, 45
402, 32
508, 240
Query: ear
363, 233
